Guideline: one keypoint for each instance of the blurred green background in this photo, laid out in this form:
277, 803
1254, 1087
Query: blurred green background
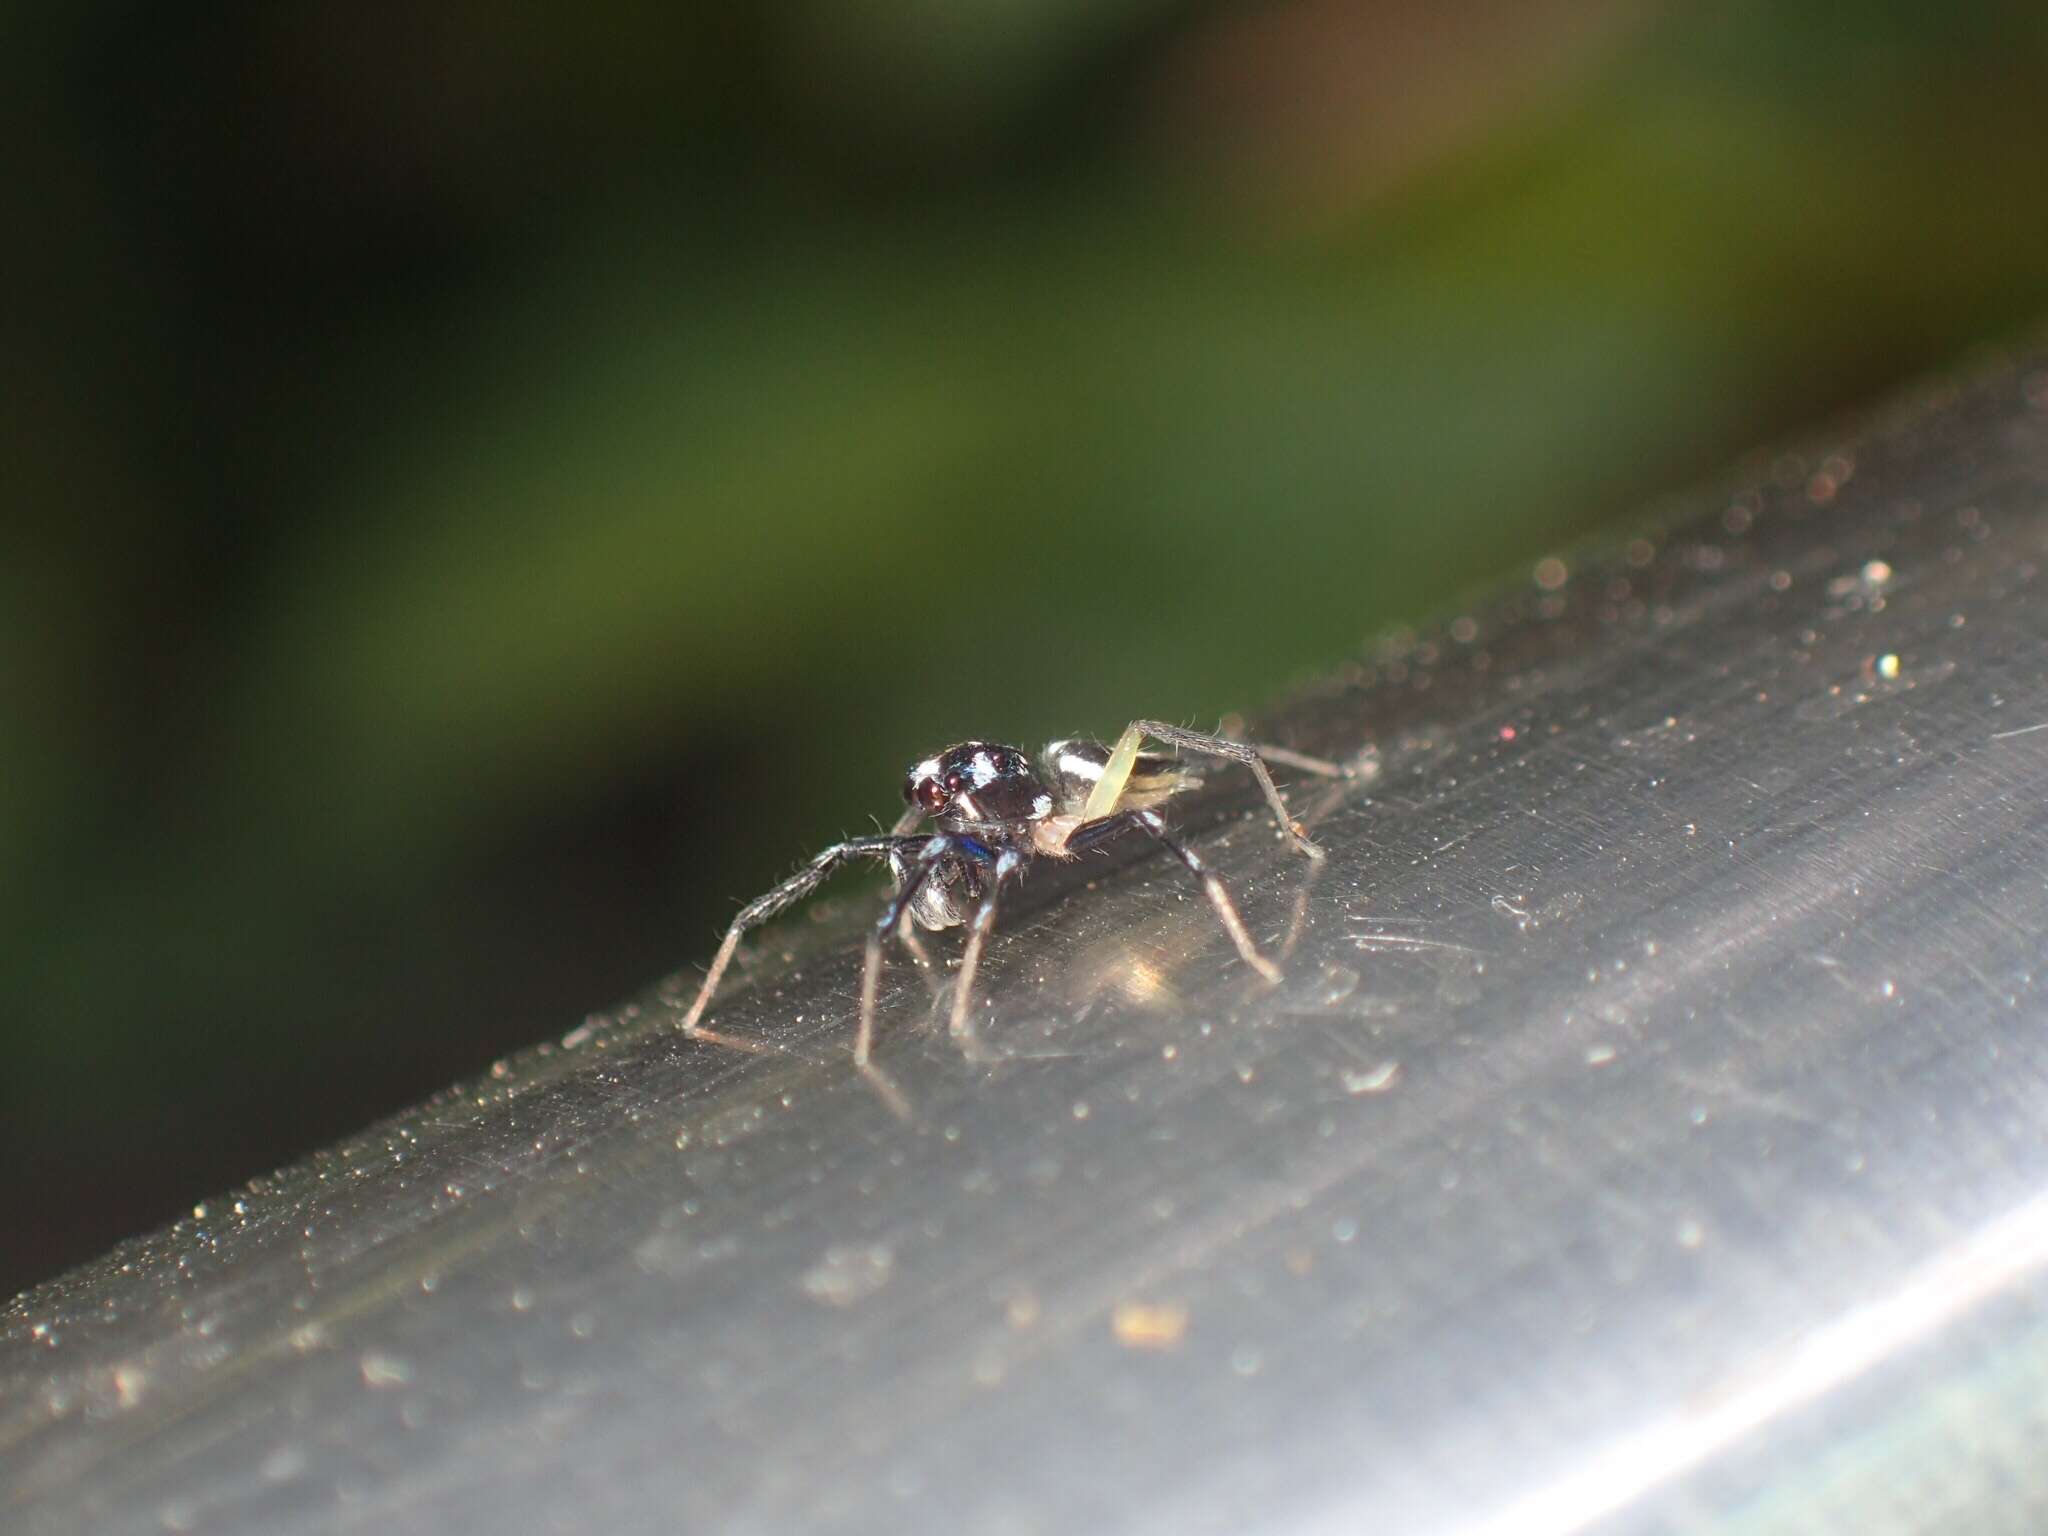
492, 486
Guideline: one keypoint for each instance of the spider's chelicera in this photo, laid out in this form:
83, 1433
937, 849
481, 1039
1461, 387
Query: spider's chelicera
993, 811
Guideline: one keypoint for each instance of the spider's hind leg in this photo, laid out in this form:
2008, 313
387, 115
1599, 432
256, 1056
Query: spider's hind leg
1118, 771
1095, 833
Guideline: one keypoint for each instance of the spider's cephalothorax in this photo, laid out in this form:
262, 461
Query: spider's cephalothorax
992, 812
981, 796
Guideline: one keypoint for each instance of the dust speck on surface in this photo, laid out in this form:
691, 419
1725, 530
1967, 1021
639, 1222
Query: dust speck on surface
1149, 1325
130, 1381
1372, 1079
382, 1370
846, 1275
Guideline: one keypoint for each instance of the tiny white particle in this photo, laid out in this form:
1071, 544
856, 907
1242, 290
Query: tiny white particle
1042, 806
847, 1275
1376, 1080
382, 1370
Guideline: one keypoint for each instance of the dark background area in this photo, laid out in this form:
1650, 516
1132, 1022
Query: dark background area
489, 492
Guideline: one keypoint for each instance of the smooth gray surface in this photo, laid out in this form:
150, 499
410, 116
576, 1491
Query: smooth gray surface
1651, 1131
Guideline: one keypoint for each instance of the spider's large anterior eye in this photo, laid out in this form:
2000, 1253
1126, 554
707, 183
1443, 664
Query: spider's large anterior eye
930, 794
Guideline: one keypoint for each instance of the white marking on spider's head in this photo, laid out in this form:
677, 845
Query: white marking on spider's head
1041, 805
928, 769
983, 767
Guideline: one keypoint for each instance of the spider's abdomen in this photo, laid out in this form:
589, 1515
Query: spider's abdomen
1072, 767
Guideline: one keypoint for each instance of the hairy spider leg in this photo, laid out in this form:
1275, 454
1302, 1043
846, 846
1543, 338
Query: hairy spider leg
1287, 757
1008, 862
893, 918
783, 896
1117, 771
1093, 834
907, 933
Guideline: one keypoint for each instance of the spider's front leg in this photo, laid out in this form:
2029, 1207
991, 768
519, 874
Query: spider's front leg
1116, 773
895, 919
766, 906
1008, 862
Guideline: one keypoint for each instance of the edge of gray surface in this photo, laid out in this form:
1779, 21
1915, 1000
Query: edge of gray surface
1650, 1132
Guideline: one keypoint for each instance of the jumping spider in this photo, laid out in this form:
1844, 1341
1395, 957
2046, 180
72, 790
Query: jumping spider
995, 813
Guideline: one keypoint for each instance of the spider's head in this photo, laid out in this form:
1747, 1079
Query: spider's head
977, 782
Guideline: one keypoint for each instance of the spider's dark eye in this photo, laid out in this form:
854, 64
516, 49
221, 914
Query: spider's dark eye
955, 782
929, 794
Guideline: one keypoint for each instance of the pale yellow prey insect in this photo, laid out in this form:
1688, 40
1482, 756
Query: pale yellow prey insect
993, 813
